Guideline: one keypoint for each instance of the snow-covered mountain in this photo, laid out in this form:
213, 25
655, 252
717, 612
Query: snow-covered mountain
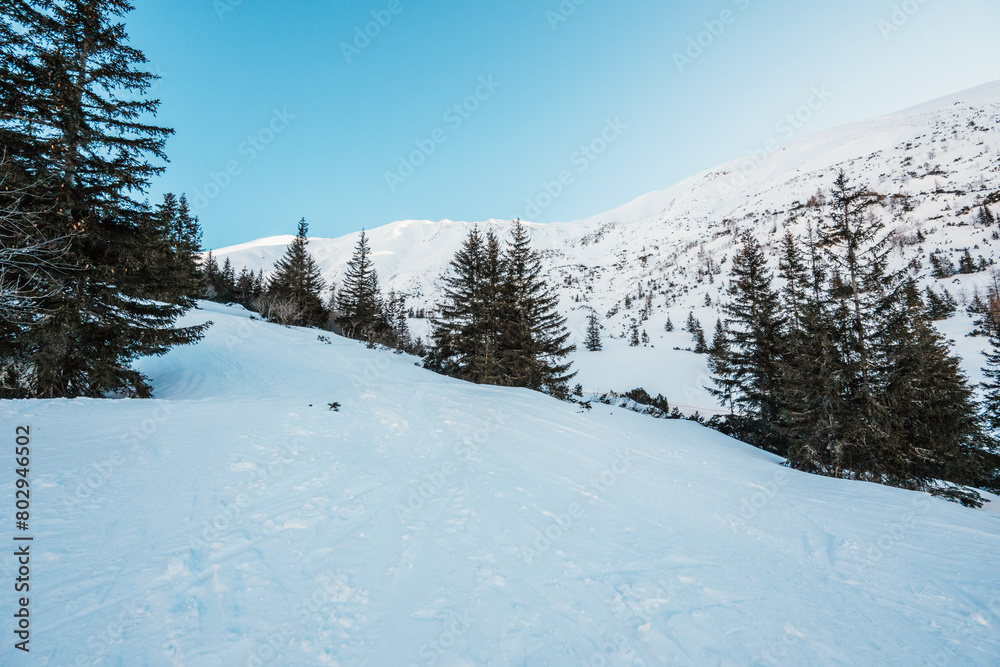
934, 163
236, 520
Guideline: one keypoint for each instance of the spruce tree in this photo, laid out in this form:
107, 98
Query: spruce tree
812, 370
966, 264
928, 413
360, 310
751, 379
860, 288
296, 281
535, 338
991, 402
792, 270
210, 276
459, 329
83, 128
398, 332
593, 341
985, 217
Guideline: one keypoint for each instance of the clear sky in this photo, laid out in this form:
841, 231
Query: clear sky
288, 109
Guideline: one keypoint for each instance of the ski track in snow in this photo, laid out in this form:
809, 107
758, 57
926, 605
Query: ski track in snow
235, 520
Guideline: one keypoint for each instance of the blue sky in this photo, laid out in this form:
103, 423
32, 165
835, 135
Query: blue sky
276, 119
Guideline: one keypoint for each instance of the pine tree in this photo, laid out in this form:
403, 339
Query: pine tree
535, 338
930, 419
752, 379
792, 270
697, 334
812, 369
966, 264
633, 334
245, 291
398, 333
210, 277
669, 326
593, 341
457, 327
296, 283
360, 311
991, 403
939, 306
941, 266
985, 217
860, 289
466, 329
83, 128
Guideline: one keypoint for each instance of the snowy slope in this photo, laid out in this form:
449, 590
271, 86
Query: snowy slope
933, 162
235, 520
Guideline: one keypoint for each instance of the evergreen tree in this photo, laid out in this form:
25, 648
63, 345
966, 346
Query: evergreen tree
245, 291
210, 277
753, 340
593, 341
812, 369
227, 283
939, 306
931, 423
497, 323
296, 281
720, 342
941, 266
360, 311
792, 270
398, 334
697, 334
82, 129
700, 343
462, 334
535, 337
985, 217
669, 326
171, 260
633, 335
860, 289
966, 264
991, 403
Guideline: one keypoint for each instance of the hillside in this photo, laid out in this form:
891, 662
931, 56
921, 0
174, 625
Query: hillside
236, 520
934, 164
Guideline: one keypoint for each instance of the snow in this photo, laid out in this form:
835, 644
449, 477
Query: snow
236, 520
944, 156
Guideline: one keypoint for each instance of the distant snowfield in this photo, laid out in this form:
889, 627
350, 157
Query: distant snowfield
236, 520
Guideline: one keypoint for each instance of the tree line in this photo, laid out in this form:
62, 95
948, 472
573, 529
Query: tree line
841, 369
497, 322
